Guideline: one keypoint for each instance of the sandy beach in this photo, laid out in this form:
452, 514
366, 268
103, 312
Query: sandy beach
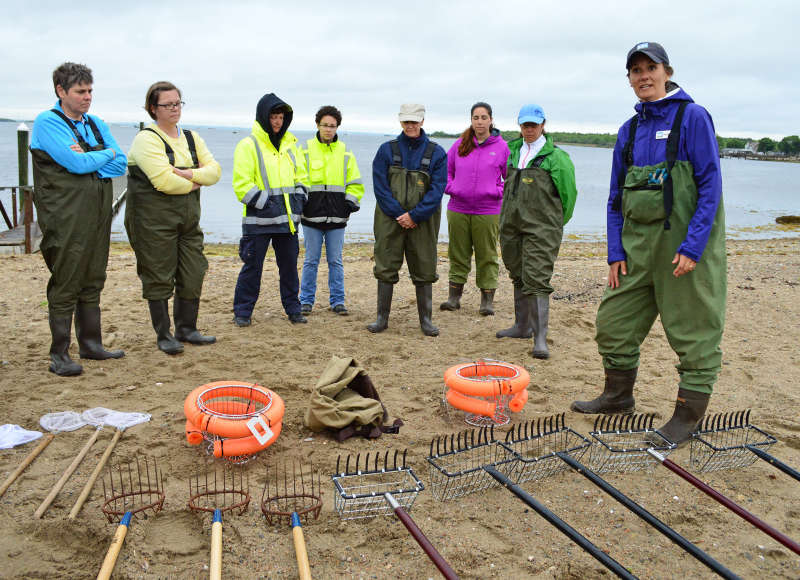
486, 535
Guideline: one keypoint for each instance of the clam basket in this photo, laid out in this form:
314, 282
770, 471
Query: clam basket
720, 442
622, 441
456, 463
535, 444
360, 488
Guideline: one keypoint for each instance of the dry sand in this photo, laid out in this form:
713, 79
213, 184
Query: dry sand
491, 534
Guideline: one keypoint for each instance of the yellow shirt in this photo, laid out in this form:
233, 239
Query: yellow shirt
148, 153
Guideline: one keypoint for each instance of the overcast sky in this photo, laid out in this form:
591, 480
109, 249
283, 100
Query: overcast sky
737, 58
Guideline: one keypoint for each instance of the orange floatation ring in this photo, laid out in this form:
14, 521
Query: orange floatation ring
486, 379
246, 416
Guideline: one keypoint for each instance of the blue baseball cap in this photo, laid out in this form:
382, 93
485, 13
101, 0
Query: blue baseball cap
530, 114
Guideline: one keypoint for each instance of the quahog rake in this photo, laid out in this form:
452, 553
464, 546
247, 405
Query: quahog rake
382, 486
622, 442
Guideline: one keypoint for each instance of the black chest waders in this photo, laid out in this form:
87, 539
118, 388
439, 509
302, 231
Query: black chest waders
657, 203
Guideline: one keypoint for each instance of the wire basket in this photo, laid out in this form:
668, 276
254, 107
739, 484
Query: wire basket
720, 442
456, 463
535, 444
623, 441
359, 493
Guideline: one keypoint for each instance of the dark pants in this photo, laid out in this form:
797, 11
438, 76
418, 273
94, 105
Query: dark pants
252, 251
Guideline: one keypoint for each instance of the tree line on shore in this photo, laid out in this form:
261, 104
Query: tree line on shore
789, 146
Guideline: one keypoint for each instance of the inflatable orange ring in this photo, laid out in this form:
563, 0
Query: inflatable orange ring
194, 435
469, 404
465, 378
245, 445
225, 427
518, 401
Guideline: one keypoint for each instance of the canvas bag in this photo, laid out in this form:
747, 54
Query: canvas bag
345, 400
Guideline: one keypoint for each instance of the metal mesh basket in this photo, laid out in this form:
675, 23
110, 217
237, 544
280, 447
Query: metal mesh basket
623, 441
720, 442
456, 463
360, 493
535, 444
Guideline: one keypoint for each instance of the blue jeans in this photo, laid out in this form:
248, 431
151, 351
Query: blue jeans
252, 251
334, 242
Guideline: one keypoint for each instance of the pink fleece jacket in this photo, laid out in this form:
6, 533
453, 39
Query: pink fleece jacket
475, 182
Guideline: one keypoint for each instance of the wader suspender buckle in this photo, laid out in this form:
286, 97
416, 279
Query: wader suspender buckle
427, 156
171, 153
672, 156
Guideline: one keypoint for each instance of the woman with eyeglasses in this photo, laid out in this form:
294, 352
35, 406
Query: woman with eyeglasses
538, 201
335, 191
167, 165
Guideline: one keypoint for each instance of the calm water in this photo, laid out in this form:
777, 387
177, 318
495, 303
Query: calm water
756, 192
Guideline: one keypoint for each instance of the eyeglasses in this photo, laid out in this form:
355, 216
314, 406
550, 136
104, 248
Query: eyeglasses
171, 106
323, 126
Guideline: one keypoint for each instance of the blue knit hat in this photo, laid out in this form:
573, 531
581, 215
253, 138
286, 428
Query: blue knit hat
531, 114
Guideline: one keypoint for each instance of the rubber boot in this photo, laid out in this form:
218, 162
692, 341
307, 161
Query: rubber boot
159, 314
90, 337
425, 308
385, 291
690, 406
454, 297
522, 323
487, 303
540, 317
60, 361
185, 314
617, 395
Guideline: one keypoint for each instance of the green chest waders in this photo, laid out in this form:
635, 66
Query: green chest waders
164, 231
392, 241
74, 213
531, 227
657, 208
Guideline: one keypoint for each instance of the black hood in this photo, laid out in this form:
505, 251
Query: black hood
271, 103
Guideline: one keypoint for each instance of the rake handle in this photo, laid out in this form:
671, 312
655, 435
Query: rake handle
562, 526
215, 565
26, 462
734, 507
424, 543
113, 550
647, 516
774, 461
67, 473
303, 569
87, 489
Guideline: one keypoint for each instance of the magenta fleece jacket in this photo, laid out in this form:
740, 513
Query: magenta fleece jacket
475, 182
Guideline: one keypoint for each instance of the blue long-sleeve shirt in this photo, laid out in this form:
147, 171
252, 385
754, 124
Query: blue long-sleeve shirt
52, 135
411, 151
698, 145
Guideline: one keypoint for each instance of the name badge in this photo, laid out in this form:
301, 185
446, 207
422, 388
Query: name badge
662, 134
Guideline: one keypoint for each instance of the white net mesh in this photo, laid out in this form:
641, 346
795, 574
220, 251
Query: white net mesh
61, 421
100, 416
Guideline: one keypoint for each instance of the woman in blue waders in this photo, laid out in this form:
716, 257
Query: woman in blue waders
666, 245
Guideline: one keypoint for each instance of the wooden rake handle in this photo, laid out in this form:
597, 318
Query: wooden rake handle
113, 550
87, 489
67, 473
303, 568
28, 460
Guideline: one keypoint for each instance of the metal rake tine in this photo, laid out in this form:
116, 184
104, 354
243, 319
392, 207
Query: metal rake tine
743, 422
452, 442
596, 420
747, 417
652, 418
405, 451
347, 465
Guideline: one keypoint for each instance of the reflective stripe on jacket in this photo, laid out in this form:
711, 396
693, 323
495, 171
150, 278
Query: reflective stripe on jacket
271, 184
335, 186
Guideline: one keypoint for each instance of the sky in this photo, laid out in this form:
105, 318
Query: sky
736, 58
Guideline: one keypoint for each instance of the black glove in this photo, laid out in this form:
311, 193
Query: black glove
351, 207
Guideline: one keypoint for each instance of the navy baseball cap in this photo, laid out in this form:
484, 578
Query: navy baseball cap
651, 50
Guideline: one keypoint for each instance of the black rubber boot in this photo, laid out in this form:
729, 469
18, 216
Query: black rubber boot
159, 314
60, 361
90, 337
487, 303
425, 309
385, 291
540, 317
453, 298
522, 323
185, 314
690, 406
617, 397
